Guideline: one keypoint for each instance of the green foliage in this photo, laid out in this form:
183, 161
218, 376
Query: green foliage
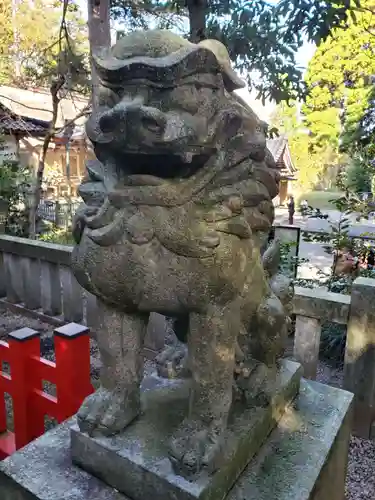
338, 84
365, 131
13, 179
57, 235
323, 200
263, 37
14, 182
359, 175
34, 46
312, 164
337, 237
332, 343
10, 179
288, 262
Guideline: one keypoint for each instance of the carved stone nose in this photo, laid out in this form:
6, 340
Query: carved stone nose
142, 118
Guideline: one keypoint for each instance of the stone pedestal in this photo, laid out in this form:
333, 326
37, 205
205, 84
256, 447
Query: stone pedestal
303, 458
359, 367
137, 463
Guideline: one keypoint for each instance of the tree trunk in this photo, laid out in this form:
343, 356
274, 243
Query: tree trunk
55, 88
197, 17
99, 35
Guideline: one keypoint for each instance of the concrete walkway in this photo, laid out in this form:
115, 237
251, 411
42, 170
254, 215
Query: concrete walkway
309, 224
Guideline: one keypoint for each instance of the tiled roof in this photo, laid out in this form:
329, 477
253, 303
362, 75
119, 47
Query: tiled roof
37, 105
276, 147
12, 123
279, 148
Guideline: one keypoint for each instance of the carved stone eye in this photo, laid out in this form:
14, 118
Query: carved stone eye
151, 124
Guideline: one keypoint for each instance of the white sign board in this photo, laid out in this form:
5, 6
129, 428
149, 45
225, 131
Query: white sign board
8, 149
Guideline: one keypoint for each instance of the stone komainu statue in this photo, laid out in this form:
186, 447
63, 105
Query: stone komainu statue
176, 214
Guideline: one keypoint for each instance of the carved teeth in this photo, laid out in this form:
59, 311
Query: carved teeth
187, 157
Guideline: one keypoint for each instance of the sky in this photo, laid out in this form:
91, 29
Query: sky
265, 111
303, 56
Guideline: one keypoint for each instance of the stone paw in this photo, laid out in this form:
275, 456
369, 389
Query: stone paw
252, 384
105, 413
195, 447
172, 362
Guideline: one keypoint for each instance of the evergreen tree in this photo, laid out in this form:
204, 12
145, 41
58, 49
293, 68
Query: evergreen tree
263, 37
338, 83
312, 165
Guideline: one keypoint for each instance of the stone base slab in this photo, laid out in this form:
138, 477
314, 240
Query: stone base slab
137, 463
303, 459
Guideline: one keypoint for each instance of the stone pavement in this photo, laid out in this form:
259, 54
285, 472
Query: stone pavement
309, 224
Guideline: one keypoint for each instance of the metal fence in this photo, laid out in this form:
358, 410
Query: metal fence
57, 213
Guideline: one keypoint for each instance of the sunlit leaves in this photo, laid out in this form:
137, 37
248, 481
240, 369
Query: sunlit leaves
338, 91
31, 39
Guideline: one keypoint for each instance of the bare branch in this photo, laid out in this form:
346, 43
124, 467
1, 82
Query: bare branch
86, 110
23, 104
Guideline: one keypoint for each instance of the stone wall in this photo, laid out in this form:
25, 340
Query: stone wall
314, 307
36, 280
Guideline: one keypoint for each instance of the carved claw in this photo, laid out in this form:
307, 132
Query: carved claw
106, 413
196, 446
79, 220
250, 384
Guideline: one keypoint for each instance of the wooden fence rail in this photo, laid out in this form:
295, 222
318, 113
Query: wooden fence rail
36, 280
23, 381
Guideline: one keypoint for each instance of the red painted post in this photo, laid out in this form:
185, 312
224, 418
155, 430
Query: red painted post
3, 415
24, 344
4, 379
73, 383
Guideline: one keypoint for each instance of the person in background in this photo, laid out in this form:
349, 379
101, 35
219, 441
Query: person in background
291, 209
304, 207
346, 263
362, 261
371, 259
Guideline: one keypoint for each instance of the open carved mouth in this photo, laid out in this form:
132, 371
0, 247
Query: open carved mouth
163, 166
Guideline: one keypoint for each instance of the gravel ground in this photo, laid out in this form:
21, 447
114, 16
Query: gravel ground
360, 483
